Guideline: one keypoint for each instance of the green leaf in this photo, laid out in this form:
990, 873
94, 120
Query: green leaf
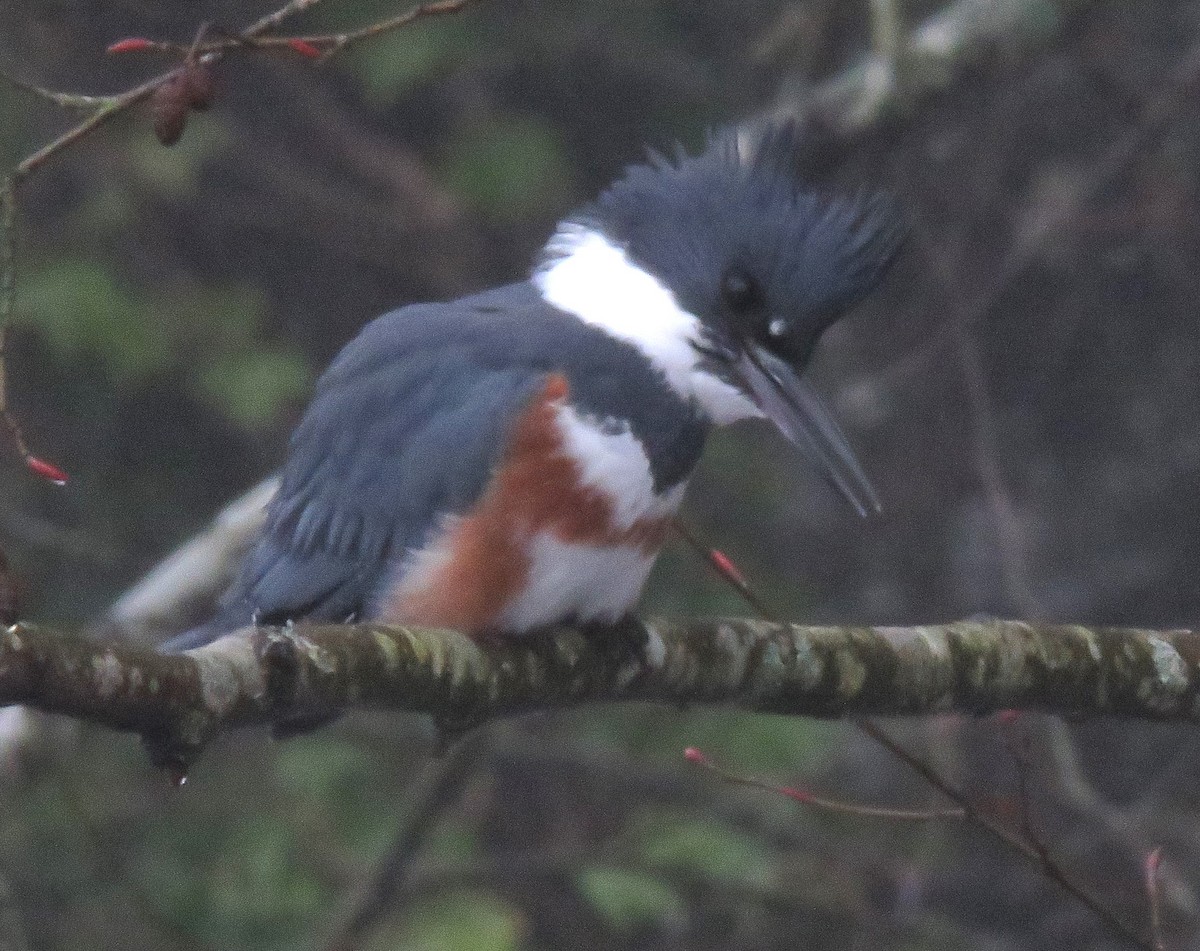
251, 387
460, 921
627, 899
391, 65
509, 168
703, 847
84, 310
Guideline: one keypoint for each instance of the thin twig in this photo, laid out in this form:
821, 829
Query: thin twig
439, 791
401, 20
1161, 109
1019, 749
1154, 895
64, 100
269, 22
806, 798
721, 564
1009, 541
1007, 838
328, 44
1030, 850
105, 108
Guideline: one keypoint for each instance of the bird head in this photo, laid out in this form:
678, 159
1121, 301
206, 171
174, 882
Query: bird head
725, 269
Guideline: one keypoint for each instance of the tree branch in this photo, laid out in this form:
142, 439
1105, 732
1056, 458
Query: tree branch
281, 676
102, 109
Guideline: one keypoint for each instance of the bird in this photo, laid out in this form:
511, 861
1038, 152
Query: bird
513, 460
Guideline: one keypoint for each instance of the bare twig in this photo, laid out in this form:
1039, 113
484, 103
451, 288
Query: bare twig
64, 100
1154, 896
1019, 749
933, 54
1012, 841
439, 790
725, 568
1009, 538
325, 44
1160, 110
1031, 848
807, 798
105, 108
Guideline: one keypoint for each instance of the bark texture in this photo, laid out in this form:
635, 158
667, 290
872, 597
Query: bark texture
304, 675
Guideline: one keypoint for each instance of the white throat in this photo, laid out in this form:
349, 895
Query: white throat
593, 279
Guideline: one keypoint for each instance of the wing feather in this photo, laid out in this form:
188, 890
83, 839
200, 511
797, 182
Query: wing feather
405, 428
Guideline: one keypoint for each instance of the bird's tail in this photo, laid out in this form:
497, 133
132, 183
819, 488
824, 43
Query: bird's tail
198, 636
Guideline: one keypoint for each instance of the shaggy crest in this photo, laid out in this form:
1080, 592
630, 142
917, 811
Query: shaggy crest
741, 204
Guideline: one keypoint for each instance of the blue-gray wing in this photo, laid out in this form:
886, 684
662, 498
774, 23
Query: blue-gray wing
405, 427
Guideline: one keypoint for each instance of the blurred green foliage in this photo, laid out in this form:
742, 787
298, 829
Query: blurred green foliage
666, 841
251, 386
626, 899
173, 303
458, 921
85, 312
509, 168
396, 63
206, 335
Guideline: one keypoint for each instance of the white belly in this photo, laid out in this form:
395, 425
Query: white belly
578, 582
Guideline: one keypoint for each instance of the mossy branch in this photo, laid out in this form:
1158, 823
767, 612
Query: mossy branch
275, 676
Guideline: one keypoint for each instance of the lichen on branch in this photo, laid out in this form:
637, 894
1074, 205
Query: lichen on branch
305, 674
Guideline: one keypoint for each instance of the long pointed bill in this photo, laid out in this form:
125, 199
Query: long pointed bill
793, 406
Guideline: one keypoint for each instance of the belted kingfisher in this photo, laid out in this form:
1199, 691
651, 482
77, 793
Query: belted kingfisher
513, 459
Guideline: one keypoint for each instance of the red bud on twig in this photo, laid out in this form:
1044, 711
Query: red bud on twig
133, 44
304, 48
693, 755
46, 470
806, 798
724, 564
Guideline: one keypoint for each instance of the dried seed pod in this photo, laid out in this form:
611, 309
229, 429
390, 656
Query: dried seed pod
201, 85
170, 105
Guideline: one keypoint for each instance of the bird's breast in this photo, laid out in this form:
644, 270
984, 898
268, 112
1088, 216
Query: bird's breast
568, 528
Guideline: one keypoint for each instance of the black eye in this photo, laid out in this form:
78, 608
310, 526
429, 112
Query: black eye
740, 292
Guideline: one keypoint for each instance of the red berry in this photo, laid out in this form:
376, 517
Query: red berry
201, 86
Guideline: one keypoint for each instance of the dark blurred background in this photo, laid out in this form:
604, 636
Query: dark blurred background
1025, 392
